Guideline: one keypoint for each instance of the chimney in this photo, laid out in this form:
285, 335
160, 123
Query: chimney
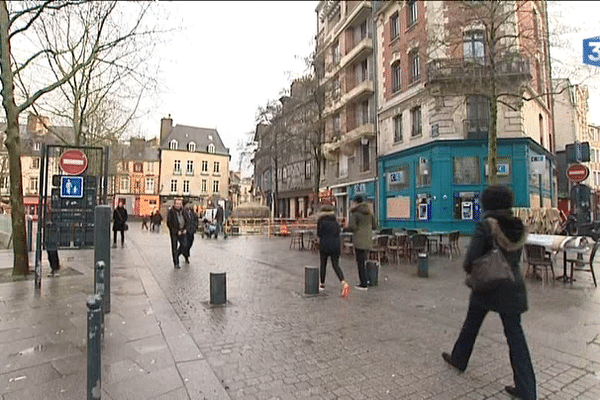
37, 124
166, 124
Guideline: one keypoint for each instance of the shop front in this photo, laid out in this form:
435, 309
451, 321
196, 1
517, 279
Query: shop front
344, 195
437, 186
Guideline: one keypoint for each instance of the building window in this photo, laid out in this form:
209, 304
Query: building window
466, 170
362, 71
364, 113
150, 167
150, 185
173, 185
35, 163
394, 26
337, 88
541, 125
398, 128
342, 171
365, 156
37, 146
177, 167
335, 52
211, 148
204, 166
336, 124
538, 75
124, 184
191, 146
415, 64
33, 185
173, 145
416, 128
535, 25
424, 172
412, 12
307, 169
478, 111
138, 167
474, 47
203, 186
4, 182
215, 186
189, 167
396, 77
186, 187
125, 165
216, 167
399, 178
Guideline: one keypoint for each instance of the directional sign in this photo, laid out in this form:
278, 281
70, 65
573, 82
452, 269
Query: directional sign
73, 162
71, 187
577, 173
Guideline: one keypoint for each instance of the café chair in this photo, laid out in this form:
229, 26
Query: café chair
537, 256
418, 244
451, 246
379, 251
347, 246
295, 240
585, 265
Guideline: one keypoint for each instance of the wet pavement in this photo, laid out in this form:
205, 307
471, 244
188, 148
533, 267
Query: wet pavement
270, 341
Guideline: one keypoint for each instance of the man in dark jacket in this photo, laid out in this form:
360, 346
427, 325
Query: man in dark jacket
177, 223
119, 222
192, 219
509, 299
328, 231
361, 225
220, 217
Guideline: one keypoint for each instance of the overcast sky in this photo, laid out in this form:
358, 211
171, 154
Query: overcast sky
230, 57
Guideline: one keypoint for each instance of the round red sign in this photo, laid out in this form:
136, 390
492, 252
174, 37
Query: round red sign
577, 173
73, 162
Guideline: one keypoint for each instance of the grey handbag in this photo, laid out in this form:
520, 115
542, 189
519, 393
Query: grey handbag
490, 271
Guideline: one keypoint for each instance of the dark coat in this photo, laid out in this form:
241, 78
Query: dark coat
361, 225
119, 218
328, 231
173, 223
219, 215
192, 217
510, 234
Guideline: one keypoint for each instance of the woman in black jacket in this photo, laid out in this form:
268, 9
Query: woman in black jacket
328, 231
509, 300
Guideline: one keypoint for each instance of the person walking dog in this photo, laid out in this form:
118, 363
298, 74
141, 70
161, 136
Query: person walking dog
508, 298
328, 231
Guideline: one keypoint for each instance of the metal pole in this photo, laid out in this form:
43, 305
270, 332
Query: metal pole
102, 248
30, 233
99, 270
41, 220
105, 186
94, 355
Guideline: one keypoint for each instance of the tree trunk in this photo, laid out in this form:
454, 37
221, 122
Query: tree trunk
13, 145
493, 136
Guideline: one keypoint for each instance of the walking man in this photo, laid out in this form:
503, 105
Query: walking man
177, 222
119, 223
191, 228
361, 224
220, 217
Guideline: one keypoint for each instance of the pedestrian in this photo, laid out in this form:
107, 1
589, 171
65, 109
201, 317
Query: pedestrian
157, 220
145, 219
328, 231
361, 224
220, 217
177, 222
191, 229
54, 262
508, 299
119, 223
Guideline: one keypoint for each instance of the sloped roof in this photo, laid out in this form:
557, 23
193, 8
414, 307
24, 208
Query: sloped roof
202, 137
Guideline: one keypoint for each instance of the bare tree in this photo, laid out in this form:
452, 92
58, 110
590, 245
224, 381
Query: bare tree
93, 31
270, 122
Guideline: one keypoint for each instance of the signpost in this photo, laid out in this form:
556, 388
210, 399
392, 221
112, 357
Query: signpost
577, 173
73, 162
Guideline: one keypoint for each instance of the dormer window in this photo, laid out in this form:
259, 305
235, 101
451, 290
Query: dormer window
211, 148
210, 137
173, 145
191, 146
37, 146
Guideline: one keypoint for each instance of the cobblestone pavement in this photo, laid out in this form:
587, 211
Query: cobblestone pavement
272, 342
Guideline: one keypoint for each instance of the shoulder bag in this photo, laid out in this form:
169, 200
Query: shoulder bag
490, 271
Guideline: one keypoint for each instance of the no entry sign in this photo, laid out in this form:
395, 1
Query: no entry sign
577, 173
73, 162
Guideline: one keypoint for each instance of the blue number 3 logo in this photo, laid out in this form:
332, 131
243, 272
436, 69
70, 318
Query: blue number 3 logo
591, 51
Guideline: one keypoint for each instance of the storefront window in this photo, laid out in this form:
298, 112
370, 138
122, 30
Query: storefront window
399, 178
424, 172
466, 170
502, 171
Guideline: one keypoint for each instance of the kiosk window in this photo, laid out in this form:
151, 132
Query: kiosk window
466, 170
399, 178
502, 170
424, 172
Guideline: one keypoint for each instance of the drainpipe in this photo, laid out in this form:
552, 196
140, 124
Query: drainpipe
374, 8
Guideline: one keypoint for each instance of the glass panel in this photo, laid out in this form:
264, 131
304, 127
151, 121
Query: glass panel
399, 178
466, 170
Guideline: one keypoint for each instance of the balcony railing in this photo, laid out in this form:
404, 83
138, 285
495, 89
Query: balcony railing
476, 128
460, 69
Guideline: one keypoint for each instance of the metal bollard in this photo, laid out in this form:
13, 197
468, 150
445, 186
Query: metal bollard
218, 288
372, 273
99, 288
102, 217
94, 355
29, 233
311, 280
423, 265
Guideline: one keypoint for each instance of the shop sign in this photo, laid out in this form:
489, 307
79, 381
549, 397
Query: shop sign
360, 188
397, 177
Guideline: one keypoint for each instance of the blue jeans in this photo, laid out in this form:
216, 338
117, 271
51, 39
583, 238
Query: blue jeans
520, 360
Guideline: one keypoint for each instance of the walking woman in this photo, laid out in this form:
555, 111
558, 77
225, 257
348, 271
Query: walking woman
509, 300
119, 223
328, 231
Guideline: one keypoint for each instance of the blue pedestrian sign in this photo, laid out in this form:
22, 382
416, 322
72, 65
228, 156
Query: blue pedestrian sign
71, 187
591, 51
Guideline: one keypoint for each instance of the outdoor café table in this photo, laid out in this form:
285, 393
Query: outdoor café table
303, 232
556, 243
436, 233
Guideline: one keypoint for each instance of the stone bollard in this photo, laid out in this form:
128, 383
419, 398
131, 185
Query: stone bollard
94, 355
218, 288
311, 280
372, 272
99, 270
423, 265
